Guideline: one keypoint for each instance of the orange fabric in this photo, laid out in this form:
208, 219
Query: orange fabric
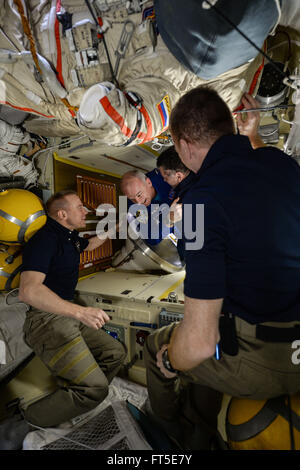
27, 31
149, 135
115, 116
118, 119
72, 109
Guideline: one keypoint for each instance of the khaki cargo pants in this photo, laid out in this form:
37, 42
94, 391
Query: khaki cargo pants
260, 370
83, 361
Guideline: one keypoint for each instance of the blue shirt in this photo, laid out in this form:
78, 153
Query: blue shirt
164, 195
55, 251
251, 251
164, 192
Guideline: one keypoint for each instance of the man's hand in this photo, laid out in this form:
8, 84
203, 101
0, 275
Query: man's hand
159, 363
175, 213
100, 238
194, 339
33, 291
92, 317
249, 124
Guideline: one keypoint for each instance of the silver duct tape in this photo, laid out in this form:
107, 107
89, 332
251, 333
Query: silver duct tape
11, 218
27, 223
4, 273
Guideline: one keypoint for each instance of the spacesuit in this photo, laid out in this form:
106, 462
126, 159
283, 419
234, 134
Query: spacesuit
66, 81
11, 163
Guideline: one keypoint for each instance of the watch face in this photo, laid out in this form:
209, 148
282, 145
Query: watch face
165, 356
166, 362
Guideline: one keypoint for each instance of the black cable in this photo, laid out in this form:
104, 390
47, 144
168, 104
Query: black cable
105, 45
285, 75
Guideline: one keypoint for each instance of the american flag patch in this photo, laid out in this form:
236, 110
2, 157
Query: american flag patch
164, 110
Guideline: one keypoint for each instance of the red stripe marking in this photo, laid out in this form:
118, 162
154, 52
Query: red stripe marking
119, 120
8, 151
58, 46
113, 113
29, 110
149, 135
254, 80
100, 22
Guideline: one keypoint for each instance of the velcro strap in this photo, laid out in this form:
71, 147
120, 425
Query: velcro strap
252, 427
273, 408
278, 405
272, 334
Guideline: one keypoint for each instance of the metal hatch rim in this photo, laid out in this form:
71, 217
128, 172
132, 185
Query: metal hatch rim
154, 257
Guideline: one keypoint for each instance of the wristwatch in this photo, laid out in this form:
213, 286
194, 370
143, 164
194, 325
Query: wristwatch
166, 362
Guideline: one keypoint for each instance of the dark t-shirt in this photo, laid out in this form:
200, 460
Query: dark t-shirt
55, 251
251, 250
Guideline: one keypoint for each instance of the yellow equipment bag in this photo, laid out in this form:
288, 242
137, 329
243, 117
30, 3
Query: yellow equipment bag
21, 215
10, 266
272, 424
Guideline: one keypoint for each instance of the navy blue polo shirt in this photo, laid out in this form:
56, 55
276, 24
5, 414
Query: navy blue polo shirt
55, 251
251, 250
164, 192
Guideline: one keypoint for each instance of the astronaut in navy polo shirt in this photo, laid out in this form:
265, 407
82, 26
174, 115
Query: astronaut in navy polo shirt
67, 337
242, 295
